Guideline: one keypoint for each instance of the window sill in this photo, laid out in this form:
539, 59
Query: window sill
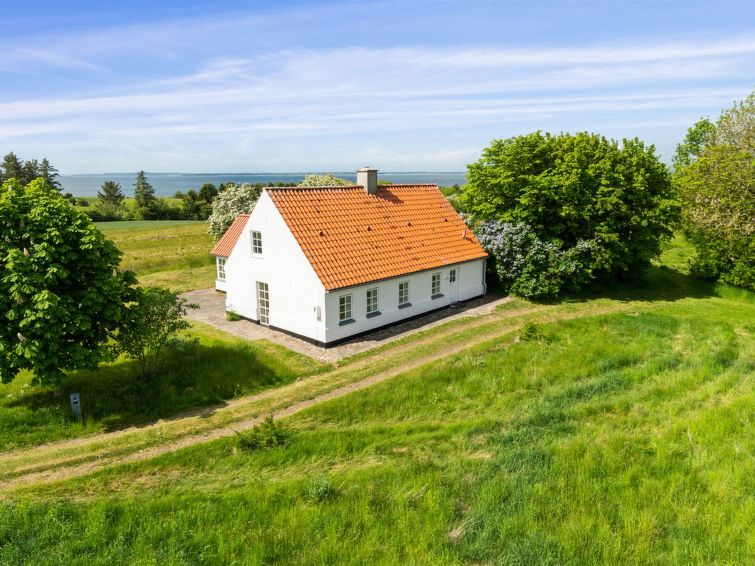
373, 314
404, 305
437, 296
345, 322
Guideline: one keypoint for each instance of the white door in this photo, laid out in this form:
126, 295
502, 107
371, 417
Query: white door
453, 285
263, 303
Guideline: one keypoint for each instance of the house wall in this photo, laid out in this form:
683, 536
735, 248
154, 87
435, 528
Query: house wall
470, 283
294, 288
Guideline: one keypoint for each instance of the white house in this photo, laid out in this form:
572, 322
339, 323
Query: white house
328, 264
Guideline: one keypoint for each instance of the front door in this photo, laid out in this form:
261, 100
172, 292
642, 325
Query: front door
453, 285
263, 303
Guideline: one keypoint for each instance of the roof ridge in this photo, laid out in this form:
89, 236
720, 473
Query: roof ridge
361, 187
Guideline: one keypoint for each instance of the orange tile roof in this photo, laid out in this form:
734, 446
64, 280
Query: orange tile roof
351, 237
225, 245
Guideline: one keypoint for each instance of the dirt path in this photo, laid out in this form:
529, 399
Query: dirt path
77, 457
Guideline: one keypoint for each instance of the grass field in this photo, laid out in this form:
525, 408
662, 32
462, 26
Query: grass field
612, 428
212, 367
170, 253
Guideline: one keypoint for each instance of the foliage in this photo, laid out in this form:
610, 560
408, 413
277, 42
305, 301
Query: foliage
697, 138
326, 180
319, 490
197, 205
232, 316
61, 293
229, 203
267, 434
717, 190
151, 326
26, 171
110, 200
589, 207
148, 206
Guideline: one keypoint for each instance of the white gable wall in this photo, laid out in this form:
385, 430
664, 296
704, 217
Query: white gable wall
294, 288
470, 282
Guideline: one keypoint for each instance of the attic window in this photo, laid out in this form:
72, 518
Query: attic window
256, 242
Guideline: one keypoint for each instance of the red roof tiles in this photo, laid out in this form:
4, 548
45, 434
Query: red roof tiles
351, 237
228, 241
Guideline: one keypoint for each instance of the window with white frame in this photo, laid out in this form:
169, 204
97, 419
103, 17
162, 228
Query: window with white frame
403, 293
452, 276
221, 268
344, 308
436, 284
372, 301
256, 242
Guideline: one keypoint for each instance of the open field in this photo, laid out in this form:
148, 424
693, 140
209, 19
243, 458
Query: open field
170, 253
612, 428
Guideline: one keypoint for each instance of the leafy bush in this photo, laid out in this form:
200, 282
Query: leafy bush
717, 187
152, 323
571, 208
268, 434
532, 268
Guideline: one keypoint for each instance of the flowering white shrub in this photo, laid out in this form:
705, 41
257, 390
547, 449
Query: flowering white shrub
228, 204
326, 180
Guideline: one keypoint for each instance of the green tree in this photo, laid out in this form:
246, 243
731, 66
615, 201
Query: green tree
12, 168
229, 203
613, 200
61, 292
110, 199
326, 180
697, 138
49, 174
151, 326
147, 204
717, 191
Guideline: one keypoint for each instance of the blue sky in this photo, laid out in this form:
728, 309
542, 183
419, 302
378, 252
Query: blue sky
194, 86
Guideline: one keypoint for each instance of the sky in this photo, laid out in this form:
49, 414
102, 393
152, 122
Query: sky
411, 85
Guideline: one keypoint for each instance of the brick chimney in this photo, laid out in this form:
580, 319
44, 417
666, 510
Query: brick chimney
367, 177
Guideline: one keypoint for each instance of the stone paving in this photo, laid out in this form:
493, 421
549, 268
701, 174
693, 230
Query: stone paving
212, 311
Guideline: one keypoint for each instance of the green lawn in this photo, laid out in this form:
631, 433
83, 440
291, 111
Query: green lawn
211, 368
170, 253
617, 438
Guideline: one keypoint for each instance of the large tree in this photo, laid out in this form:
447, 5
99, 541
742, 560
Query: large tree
147, 205
26, 171
12, 168
717, 191
612, 201
61, 292
325, 180
49, 174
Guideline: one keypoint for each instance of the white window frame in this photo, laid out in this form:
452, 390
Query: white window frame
435, 284
256, 237
403, 284
452, 276
373, 307
220, 268
345, 306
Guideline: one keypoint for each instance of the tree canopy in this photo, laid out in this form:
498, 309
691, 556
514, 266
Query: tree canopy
613, 202
26, 171
717, 190
61, 292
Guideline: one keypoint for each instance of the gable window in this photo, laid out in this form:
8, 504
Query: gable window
403, 295
344, 310
372, 302
221, 268
256, 242
436, 286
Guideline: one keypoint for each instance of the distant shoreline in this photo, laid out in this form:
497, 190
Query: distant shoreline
167, 184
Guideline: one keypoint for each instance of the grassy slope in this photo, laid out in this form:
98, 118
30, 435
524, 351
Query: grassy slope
624, 437
217, 368
172, 253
